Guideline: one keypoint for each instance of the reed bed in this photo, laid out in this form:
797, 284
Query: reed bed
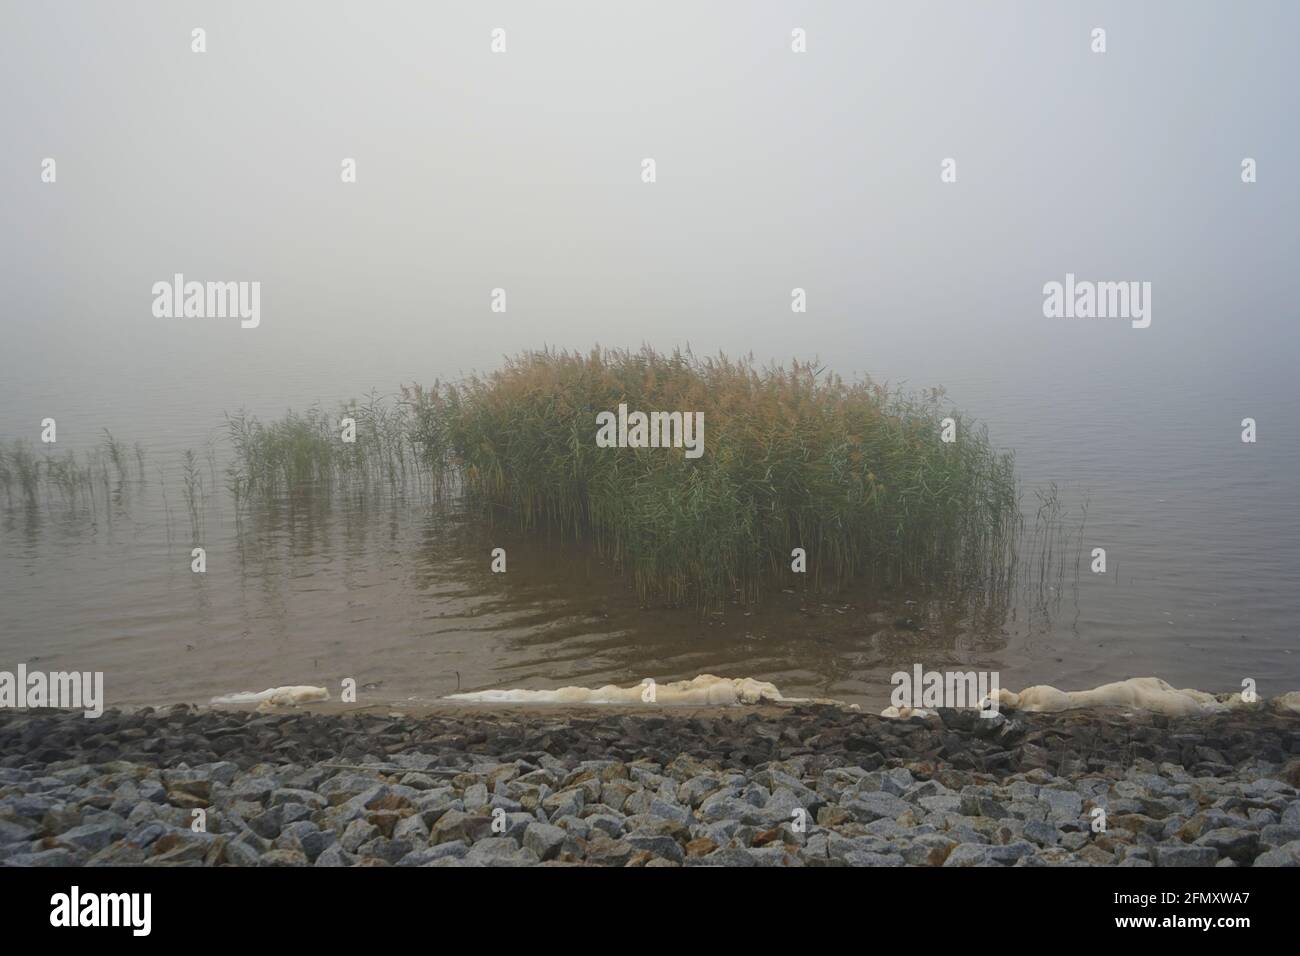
794, 458
116, 454
34, 475
304, 456
20, 468
192, 491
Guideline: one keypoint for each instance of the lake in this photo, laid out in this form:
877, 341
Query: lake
1200, 532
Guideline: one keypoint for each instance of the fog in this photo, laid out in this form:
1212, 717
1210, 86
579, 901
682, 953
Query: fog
521, 171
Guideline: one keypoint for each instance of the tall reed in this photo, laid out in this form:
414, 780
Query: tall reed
794, 458
116, 454
305, 456
192, 485
20, 465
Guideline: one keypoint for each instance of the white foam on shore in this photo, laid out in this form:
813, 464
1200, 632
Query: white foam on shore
288, 696
902, 713
1137, 693
704, 690
1289, 702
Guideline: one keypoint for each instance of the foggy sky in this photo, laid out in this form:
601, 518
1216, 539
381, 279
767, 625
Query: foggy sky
521, 171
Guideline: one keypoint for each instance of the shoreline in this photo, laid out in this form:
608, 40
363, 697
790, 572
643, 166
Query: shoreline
462, 784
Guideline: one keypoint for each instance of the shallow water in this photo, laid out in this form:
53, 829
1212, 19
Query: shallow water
398, 595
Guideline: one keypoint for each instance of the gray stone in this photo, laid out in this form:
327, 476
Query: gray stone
600, 850
670, 811
693, 791
1044, 834
381, 848
658, 844
867, 858
725, 806
499, 851
431, 854
1066, 805
268, 823
575, 826
55, 857
357, 833
1233, 843
307, 837
928, 850
412, 829
941, 803
639, 802
875, 806
254, 789
294, 813
90, 837
455, 825
604, 821
16, 831
724, 857
565, 803
432, 804
420, 781
544, 840
897, 781
1076, 840
146, 833
1287, 855
241, 854
285, 795
182, 847
152, 790
283, 858
1291, 815
1279, 834
334, 855
1185, 855
972, 854
499, 802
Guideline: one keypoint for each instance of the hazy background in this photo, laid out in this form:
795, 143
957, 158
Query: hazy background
775, 170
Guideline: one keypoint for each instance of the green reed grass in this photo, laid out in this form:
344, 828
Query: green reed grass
69, 476
7, 474
794, 457
192, 490
854, 473
20, 466
116, 452
303, 456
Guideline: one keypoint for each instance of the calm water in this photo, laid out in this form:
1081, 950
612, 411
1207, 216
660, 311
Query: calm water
1201, 532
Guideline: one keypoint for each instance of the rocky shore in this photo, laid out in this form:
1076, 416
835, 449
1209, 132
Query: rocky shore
801, 786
